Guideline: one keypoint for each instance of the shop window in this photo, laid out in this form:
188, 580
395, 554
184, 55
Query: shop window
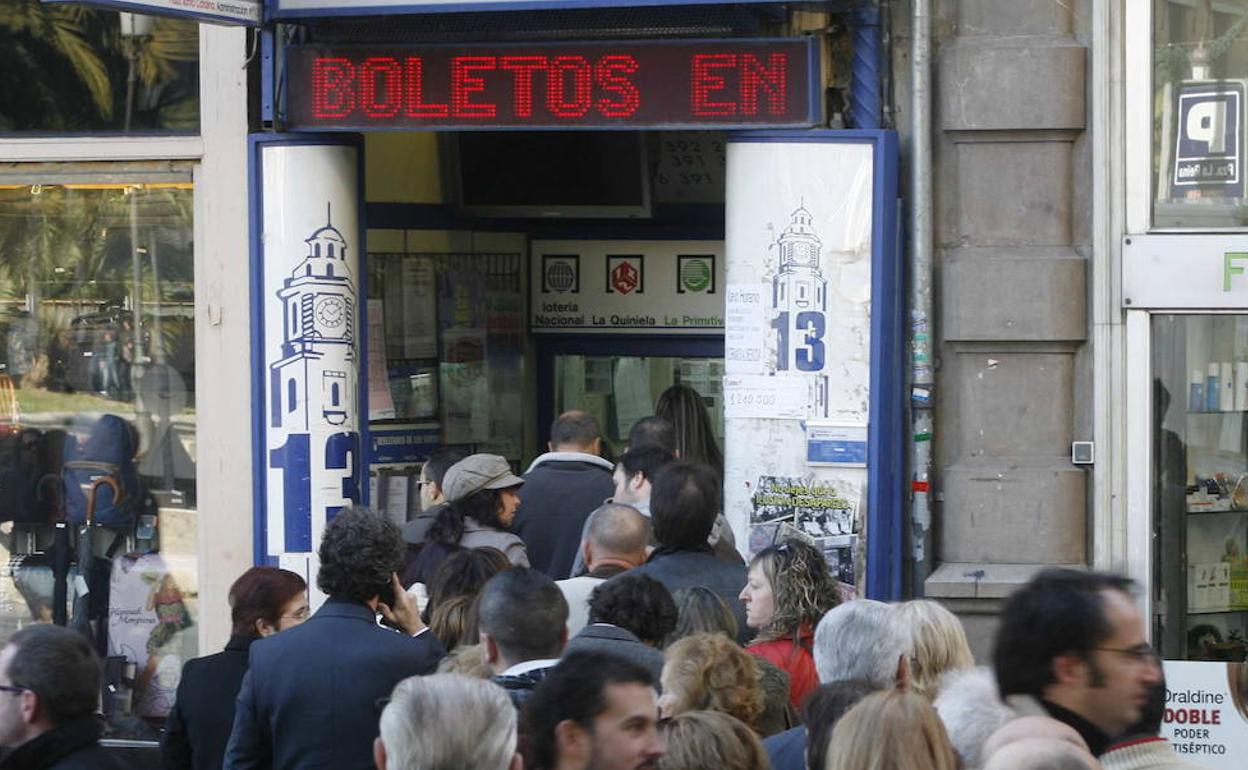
66, 68
1200, 493
1200, 103
97, 422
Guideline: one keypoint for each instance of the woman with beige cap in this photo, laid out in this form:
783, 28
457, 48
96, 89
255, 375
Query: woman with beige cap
482, 496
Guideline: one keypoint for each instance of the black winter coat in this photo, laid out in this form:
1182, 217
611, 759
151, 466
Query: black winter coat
557, 497
74, 745
198, 727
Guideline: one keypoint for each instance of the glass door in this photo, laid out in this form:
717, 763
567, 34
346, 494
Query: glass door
618, 379
1200, 485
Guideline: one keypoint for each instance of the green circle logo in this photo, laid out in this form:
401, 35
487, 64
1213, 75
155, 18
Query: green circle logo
695, 275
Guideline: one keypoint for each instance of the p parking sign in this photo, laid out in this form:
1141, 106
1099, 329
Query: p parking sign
1209, 138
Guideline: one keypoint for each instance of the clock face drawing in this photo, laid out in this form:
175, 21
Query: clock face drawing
331, 312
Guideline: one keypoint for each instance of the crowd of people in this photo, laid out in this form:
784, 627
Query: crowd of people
521, 622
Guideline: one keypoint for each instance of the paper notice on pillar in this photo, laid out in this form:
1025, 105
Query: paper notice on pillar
746, 328
817, 507
380, 403
768, 397
835, 444
1206, 716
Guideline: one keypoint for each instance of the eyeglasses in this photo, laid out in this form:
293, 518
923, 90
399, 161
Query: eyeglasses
13, 689
300, 614
1140, 653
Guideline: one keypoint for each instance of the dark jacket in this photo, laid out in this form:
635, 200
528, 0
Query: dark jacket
309, 699
787, 750
520, 686
613, 640
677, 569
560, 490
414, 535
74, 745
198, 727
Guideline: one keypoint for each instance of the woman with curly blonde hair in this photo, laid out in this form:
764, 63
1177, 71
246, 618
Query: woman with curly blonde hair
788, 589
697, 740
890, 730
709, 671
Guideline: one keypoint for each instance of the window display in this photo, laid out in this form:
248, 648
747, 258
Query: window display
97, 429
1200, 407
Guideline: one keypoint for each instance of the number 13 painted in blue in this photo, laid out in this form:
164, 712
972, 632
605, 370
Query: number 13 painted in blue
812, 354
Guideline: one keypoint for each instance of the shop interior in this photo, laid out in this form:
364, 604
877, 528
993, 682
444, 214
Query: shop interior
451, 236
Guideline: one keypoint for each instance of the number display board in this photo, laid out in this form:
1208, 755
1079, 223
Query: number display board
306, 343
649, 83
299, 9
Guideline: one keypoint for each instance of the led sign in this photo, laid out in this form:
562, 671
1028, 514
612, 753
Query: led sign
739, 83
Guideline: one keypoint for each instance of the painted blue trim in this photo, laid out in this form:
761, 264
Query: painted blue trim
361, 284
278, 13
259, 369
268, 71
173, 13
866, 106
656, 346
814, 92
885, 431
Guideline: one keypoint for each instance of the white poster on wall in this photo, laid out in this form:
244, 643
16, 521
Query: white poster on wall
311, 349
1206, 716
798, 244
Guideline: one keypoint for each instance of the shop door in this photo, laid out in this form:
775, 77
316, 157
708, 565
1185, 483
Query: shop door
619, 379
1199, 450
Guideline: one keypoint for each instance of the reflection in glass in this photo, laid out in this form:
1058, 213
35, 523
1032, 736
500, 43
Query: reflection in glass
1200, 101
1200, 493
97, 428
67, 68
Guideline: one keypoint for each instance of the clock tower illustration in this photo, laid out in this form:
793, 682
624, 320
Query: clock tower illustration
316, 379
799, 301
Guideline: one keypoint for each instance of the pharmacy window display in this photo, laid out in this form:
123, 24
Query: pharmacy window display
97, 429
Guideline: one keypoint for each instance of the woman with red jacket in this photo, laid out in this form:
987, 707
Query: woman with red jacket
789, 587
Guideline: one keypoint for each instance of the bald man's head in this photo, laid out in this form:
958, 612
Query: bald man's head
1041, 754
575, 431
1031, 728
617, 532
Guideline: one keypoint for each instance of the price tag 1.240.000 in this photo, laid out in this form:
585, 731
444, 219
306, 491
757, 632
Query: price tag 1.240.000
768, 397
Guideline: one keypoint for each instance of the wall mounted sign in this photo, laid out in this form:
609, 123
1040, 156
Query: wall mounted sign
649, 83
1182, 271
307, 343
227, 12
1206, 716
660, 287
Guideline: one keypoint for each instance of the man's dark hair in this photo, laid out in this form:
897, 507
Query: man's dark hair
684, 501
653, 431
646, 459
59, 666
261, 593
576, 428
440, 461
636, 603
359, 551
525, 613
575, 689
1060, 612
823, 709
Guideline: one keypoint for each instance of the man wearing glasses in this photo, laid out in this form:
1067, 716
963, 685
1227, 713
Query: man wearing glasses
1071, 646
49, 688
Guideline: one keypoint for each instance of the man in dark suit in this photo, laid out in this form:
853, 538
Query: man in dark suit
310, 697
630, 616
263, 601
684, 501
561, 488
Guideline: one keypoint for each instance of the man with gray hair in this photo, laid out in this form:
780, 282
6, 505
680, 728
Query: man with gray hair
861, 639
615, 540
449, 722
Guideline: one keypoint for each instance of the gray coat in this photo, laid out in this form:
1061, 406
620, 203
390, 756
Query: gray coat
613, 640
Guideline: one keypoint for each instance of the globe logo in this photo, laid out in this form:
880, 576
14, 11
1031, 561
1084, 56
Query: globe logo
560, 276
695, 275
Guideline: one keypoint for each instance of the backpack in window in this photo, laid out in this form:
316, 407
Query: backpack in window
101, 480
